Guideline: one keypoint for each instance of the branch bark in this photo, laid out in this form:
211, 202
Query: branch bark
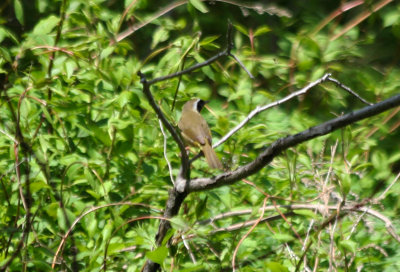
202, 184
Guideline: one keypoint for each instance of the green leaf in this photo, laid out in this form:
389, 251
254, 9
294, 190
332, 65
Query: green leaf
169, 234
307, 213
241, 29
38, 185
19, 11
392, 17
276, 267
45, 26
124, 98
201, 207
261, 30
4, 53
346, 184
52, 209
158, 255
283, 237
199, 5
160, 35
64, 218
178, 223
209, 39
107, 230
348, 245
92, 227
107, 52
115, 247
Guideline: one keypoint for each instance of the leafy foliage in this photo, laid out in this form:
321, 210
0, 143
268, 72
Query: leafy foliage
81, 149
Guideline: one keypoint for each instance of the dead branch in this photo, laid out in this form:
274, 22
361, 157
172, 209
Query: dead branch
202, 184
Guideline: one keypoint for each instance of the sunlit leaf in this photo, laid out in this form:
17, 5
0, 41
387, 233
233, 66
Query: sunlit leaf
158, 255
199, 5
19, 11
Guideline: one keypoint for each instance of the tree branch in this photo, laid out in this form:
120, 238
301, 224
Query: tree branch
259, 109
317, 207
226, 52
175, 134
202, 184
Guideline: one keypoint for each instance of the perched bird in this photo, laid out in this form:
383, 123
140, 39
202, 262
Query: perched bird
196, 132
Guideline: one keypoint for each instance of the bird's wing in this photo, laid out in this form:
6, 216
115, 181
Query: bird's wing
206, 131
195, 131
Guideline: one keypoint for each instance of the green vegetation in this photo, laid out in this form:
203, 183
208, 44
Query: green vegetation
83, 175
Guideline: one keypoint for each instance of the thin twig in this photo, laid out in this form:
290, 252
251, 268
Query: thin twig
361, 17
332, 237
190, 69
57, 39
165, 152
353, 228
76, 221
260, 8
121, 226
259, 109
248, 232
315, 207
9, 136
242, 65
187, 246
348, 89
138, 26
337, 12
382, 196
308, 234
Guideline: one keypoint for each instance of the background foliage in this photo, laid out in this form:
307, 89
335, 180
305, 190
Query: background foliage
77, 132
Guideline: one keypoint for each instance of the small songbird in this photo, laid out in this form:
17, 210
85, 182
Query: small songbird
196, 132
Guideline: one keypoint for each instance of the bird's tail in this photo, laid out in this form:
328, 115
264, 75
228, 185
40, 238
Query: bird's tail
211, 156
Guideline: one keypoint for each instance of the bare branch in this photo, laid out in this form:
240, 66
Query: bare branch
259, 109
186, 244
247, 234
260, 8
315, 207
175, 134
76, 221
138, 26
344, 87
226, 52
165, 152
242, 65
201, 184
382, 196
190, 69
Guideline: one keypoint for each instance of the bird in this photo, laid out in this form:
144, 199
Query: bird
195, 131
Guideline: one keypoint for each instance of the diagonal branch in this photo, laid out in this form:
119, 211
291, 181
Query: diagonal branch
202, 184
290, 208
226, 52
259, 109
175, 134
